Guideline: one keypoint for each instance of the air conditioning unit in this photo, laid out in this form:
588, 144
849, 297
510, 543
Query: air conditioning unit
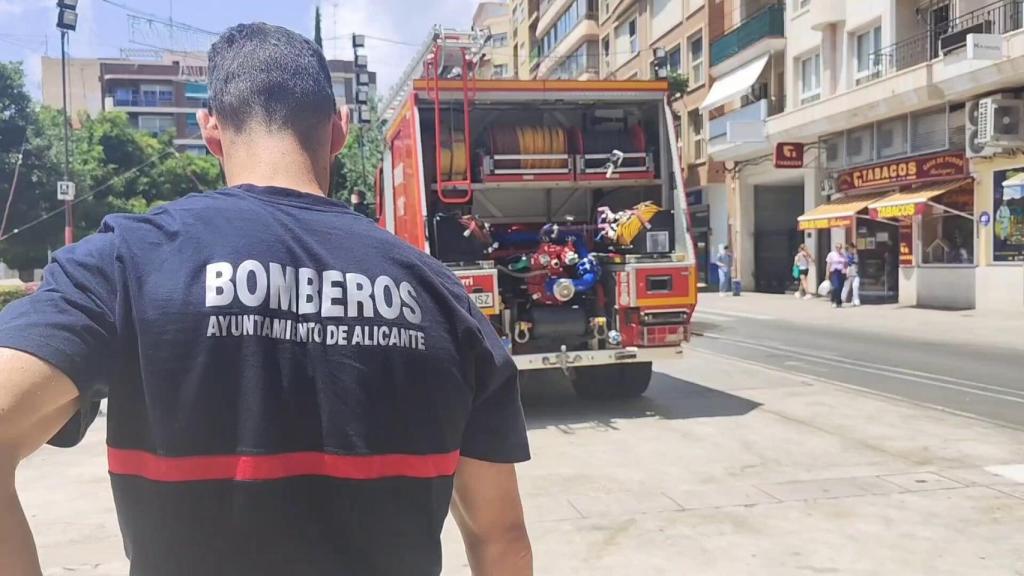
977, 112
995, 123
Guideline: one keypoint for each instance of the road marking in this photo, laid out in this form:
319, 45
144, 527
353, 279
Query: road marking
711, 316
1014, 472
880, 369
733, 314
804, 378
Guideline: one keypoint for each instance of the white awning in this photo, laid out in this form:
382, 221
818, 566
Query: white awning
735, 83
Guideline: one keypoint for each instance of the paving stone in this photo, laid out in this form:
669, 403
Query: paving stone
922, 482
721, 497
1011, 489
830, 488
549, 509
976, 477
623, 504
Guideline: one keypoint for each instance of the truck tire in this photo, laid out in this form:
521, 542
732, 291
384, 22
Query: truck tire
612, 382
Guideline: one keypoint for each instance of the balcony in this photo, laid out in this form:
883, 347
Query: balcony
763, 32
740, 133
824, 13
584, 31
137, 101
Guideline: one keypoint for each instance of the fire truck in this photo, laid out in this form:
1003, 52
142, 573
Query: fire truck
558, 204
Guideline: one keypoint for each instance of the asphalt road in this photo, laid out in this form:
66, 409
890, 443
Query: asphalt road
982, 382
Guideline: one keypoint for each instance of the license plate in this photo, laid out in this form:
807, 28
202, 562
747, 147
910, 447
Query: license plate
483, 299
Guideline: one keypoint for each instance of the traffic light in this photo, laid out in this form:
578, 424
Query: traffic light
362, 91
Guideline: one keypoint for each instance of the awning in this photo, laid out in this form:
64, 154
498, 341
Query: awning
835, 214
911, 202
734, 84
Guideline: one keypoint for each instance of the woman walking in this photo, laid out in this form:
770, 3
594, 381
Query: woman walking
852, 283
724, 262
836, 263
802, 262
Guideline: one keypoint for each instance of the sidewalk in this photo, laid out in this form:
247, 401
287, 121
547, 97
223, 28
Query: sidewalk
972, 327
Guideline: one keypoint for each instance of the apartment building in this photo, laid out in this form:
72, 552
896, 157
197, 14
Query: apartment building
567, 40
160, 92
524, 15
683, 29
498, 58
908, 157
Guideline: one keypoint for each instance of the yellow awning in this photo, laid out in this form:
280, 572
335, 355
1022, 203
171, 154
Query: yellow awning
916, 196
840, 208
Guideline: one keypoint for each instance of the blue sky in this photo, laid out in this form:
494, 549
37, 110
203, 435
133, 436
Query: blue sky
27, 26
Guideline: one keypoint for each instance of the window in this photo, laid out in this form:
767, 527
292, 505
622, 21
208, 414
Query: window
157, 95
868, 44
606, 51
860, 145
947, 228
801, 4
1008, 216
500, 71
125, 97
578, 63
697, 145
810, 79
634, 40
891, 138
675, 59
577, 11
156, 125
499, 40
696, 48
929, 130
192, 126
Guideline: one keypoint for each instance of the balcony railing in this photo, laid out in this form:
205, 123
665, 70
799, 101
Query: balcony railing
719, 127
142, 101
770, 22
999, 17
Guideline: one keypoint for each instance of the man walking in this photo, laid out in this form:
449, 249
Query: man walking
359, 203
291, 389
836, 262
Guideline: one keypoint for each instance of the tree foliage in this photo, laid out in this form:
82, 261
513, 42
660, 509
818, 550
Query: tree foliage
318, 36
115, 169
356, 166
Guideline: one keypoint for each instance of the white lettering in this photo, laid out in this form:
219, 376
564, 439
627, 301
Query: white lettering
343, 335
256, 296
385, 295
332, 334
282, 288
360, 295
411, 310
211, 329
219, 289
309, 291
332, 291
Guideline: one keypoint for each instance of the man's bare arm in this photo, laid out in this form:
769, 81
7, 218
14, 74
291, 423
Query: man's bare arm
487, 508
36, 400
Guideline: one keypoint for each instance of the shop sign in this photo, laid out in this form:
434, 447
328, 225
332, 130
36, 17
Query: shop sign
984, 47
906, 245
911, 171
789, 155
1008, 217
826, 223
898, 211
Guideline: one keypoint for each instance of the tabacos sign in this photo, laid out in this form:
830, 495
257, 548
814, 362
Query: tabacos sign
908, 171
898, 211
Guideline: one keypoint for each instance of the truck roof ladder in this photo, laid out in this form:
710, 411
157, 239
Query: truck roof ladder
433, 68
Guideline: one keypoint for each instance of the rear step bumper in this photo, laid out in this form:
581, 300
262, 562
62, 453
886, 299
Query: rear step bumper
571, 359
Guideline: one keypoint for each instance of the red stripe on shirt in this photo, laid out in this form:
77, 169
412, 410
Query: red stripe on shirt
277, 466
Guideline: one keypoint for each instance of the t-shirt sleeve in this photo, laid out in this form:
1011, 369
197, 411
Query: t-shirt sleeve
70, 323
496, 429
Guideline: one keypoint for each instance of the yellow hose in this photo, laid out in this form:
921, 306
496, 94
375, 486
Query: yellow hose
637, 221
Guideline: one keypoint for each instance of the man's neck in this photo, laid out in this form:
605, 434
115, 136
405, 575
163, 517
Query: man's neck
279, 164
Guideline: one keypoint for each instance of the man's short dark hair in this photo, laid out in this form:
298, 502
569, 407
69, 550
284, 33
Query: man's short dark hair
270, 77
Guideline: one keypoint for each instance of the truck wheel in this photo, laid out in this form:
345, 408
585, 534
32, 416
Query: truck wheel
612, 382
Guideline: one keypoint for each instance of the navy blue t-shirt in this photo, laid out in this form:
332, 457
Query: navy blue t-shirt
290, 387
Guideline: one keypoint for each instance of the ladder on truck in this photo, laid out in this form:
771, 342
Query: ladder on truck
447, 54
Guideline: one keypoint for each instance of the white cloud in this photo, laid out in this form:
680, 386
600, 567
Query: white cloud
14, 7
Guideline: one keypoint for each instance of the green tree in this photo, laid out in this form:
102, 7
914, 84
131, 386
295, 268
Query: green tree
356, 166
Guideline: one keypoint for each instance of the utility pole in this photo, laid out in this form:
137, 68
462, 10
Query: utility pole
362, 96
67, 21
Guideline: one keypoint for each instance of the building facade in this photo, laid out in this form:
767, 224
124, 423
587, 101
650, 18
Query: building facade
498, 58
567, 40
885, 98
524, 15
160, 94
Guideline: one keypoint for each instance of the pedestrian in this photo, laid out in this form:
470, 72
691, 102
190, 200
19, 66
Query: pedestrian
283, 399
723, 259
836, 262
359, 203
802, 263
851, 287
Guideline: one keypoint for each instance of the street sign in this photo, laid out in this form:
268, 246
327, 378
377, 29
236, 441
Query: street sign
65, 190
985, 219
789, 155
984, 47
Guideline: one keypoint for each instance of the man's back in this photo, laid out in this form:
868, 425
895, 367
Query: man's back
292, 390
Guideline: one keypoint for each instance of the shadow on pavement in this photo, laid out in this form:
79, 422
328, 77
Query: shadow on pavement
549, 400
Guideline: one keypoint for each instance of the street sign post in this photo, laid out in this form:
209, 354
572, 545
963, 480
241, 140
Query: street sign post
65, 190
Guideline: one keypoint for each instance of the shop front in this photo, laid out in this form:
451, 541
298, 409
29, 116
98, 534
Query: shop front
999, 202
912, 221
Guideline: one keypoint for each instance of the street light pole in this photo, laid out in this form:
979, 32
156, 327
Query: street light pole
69, 230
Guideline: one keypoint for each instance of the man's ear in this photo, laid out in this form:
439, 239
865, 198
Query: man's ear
339, 130
212, 136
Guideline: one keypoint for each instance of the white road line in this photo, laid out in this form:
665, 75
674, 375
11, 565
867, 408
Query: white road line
882, 370
700, 315
712, 310
871, 391
1014, 472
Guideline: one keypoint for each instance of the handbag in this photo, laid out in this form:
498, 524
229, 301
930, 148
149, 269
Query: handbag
796, 272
